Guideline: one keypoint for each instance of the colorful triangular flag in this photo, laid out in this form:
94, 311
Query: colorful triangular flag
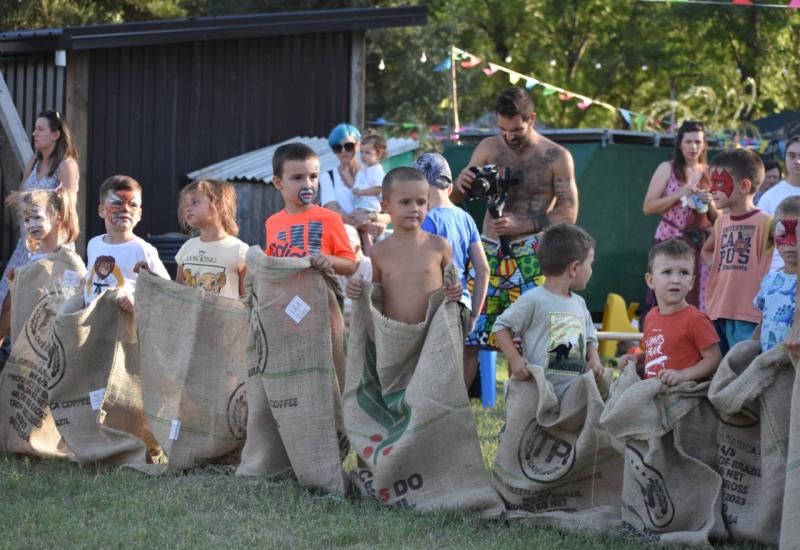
491, 69
549, 90
531, 83
626, 115
443, 66
471, 62
513, 77
566, 96
741, 3
639, 122
794, 4
585, 103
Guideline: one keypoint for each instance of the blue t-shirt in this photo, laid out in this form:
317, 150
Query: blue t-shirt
459, 229
776, 300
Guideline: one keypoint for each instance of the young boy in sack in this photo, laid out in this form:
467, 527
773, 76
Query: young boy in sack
405, 405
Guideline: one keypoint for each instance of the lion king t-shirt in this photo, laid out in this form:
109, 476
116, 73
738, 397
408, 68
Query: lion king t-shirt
315, 231
213, 266
111, 265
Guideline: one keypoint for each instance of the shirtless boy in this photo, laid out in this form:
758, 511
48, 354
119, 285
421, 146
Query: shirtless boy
410, 263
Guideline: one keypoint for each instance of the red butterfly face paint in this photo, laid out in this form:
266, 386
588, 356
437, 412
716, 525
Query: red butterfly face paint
785, 232
722, 181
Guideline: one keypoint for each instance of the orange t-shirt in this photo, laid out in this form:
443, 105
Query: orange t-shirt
742, 257
674, 341
315, 231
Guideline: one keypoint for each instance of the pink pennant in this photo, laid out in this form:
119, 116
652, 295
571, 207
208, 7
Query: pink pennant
795, 4
566, 96
491, 69
741, 3
471, 62
585, 104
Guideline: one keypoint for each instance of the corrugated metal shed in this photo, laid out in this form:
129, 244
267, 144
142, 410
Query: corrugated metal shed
256, 165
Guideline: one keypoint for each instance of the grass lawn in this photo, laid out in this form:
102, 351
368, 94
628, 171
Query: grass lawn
48, 503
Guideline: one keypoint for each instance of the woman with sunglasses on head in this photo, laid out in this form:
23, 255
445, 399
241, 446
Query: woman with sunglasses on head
55, 162
680, 192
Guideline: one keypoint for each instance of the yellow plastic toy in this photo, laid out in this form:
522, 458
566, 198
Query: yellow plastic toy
617, 318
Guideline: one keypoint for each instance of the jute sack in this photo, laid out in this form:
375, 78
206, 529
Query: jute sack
555, 464
670, 490
753, 395
38, 289
61, 272
407, 412
193, 356
296, 313
97, 404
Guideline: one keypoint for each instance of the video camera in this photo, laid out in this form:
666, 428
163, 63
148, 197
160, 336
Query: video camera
492, 184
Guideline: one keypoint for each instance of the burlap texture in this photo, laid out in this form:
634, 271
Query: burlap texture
61, 272
32, 370
193, 352
670, 493
555, 464
407, 412
753, 395
97, 404
298, 359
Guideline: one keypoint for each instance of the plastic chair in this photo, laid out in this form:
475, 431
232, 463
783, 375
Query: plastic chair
487, 360
616, 318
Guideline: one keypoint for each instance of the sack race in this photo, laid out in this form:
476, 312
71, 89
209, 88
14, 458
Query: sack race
97, 404
670, 491
298, 351
38, 289
193, 359
407, 412
61, 272
752, 393
555, 464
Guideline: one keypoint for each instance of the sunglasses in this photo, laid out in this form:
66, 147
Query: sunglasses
349, 147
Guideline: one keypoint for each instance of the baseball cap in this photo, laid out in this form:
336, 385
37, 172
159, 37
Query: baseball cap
435, 169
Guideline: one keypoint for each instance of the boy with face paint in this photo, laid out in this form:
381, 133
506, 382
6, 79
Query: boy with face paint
777, 296
739, 250
302, 228
115, 257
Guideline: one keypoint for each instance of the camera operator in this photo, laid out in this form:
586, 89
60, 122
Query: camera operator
546, 193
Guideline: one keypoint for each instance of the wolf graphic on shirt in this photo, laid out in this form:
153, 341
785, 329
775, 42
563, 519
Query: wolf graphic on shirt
105, 273
566, 350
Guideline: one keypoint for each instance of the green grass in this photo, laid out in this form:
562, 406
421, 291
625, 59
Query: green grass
52, 503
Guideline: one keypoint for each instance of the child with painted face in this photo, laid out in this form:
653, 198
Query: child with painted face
680, 343
739, 250
49, 218
552, 320
409, 264
303, 228
214, 260
777, 297
114, 258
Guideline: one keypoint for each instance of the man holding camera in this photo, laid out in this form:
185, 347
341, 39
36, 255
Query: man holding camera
541, 190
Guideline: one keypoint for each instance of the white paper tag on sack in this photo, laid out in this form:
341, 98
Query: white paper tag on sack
297, 309
175, 430
72, 278
96, 398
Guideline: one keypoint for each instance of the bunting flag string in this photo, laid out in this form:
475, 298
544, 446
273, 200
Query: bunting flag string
633, 119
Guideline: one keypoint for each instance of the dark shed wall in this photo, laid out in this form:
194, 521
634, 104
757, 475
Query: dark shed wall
36, 85
159, 112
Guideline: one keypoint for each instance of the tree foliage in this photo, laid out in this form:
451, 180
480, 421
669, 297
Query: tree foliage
721, 64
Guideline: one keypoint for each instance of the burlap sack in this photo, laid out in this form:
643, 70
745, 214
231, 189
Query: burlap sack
26, 422
407, 412
753, 395
555, 464
97, 404
298, 329
193, 355
670, 490
61, 272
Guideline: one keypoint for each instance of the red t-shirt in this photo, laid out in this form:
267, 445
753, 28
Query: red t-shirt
314, 231
674, 341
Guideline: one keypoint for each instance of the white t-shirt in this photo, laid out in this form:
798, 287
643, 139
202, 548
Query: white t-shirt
769, 202
213, 266
336, 190
111, 265
367, 178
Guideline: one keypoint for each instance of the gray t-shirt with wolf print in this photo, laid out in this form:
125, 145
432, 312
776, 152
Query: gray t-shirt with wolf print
554, 332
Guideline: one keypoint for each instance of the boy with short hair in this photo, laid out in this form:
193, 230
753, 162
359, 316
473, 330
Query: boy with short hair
114, 258
680, 342
739, 250
777, 296
556, 328
409, 264
303, 228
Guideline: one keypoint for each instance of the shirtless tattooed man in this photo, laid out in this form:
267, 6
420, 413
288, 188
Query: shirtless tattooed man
546, 193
